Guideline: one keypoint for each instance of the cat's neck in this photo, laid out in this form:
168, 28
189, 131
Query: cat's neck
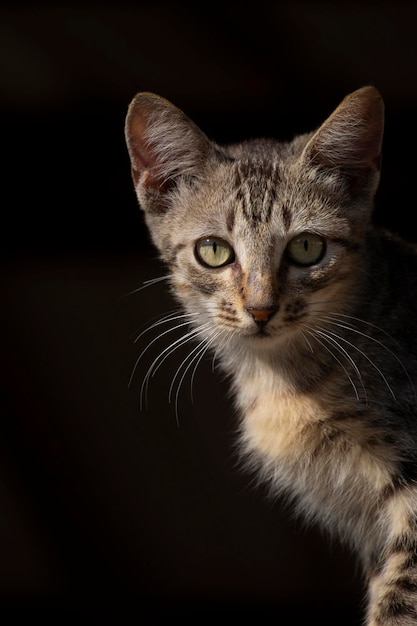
263, 367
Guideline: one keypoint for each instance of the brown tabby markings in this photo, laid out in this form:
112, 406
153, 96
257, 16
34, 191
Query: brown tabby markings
230, 220
323, 373
228, 313
295, 310
247, 177
286, 217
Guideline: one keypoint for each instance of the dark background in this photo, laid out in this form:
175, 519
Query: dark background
107, 510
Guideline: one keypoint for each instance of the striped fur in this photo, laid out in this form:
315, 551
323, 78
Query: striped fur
322, 355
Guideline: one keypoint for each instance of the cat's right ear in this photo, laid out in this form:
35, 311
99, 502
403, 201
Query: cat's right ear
163, 144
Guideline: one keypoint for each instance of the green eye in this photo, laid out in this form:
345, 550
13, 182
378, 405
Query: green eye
306, 249
214, 252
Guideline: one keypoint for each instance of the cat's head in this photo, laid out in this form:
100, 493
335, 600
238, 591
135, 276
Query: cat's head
261, 236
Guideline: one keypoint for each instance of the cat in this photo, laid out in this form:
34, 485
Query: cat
311, 312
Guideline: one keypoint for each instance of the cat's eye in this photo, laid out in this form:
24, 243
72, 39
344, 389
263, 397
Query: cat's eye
306, 249
214, 252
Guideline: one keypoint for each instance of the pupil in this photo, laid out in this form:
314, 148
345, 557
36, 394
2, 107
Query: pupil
305, 244
214, 247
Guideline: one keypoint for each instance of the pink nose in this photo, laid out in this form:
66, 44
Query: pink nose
261, 315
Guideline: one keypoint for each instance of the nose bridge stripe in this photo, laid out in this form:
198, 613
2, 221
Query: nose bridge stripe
259, 292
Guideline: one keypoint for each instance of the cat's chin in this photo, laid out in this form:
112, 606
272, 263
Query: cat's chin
271, 339
262, 339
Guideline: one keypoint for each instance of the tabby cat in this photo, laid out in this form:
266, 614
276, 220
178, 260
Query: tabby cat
311, 311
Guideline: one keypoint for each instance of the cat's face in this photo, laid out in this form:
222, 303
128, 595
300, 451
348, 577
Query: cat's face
258, 252
260, 238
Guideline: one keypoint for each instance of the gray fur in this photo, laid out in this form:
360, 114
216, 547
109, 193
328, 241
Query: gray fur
323, 355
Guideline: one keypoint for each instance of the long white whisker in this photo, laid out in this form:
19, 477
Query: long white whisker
307, 341
175, 315
219, 332
348, 326
215, 353
340, 338
191, 335
358, 319
166, 352
313, 333
170, 330
190, 355
224, 342
197, 352
147, 283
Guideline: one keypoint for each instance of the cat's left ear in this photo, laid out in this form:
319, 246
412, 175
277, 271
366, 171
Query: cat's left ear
351, 138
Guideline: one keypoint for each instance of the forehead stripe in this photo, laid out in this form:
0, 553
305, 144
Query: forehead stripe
256, 189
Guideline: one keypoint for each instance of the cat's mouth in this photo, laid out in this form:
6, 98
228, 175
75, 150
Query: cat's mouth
262, 333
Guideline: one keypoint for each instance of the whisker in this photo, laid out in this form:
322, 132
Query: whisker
197, 353
174, 315
340, 338
166, 352
358, 319
348, 326
147, 283
191, 335
307, 341
219, 332
201, 350
190, 355
313, 332
170, 330
225, 341
151, 323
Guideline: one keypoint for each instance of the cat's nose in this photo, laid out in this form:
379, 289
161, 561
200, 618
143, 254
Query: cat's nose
261, 316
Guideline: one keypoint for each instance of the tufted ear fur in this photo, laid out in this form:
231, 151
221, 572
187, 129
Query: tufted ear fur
350, 140
163, 144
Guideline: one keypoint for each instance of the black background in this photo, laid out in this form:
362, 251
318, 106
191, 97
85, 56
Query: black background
106, 510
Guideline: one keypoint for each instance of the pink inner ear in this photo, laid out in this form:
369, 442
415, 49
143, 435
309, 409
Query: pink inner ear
141, 156
143, 175
163, 143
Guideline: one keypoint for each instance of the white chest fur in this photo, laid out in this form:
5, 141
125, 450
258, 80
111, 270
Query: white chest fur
335, 469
